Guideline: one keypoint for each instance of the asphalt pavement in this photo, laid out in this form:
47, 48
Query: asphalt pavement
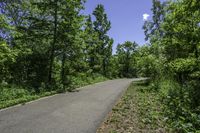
78, 112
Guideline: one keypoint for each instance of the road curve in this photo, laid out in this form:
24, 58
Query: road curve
78, 112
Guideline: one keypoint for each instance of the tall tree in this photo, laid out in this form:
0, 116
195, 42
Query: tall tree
152, 28
52, 53
102, 25
92, 40
70, 37
50, 31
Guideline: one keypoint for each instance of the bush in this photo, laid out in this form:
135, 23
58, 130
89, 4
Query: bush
178, 105
83, 79
12, 92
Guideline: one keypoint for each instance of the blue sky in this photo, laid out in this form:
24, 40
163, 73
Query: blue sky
126, 17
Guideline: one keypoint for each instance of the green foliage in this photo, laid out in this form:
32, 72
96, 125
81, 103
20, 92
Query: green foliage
7, 58
139, 110
50, 46
183, 65
12, 94
173, 60
83, 79
126, 59
178, 111
104, 46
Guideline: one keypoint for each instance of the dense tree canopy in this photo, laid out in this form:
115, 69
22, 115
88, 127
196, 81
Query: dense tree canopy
126, 59
49, 45
173, 35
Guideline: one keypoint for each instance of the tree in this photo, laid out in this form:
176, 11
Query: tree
174, 45
104, 48
152, 29
91, 40
70, 36
125, 54
147, 64
3, 25
45, 35
154, 35
181, 44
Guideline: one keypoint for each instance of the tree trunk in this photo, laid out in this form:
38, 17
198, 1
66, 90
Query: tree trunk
52, 54
63, 70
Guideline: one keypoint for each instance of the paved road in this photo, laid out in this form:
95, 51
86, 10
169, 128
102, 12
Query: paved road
78, 112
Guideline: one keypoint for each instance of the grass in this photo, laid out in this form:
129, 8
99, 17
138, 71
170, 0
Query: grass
139, 111
12, 95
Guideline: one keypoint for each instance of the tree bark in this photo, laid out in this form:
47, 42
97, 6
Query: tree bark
52, 54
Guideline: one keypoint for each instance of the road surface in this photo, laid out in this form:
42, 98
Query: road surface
77, 112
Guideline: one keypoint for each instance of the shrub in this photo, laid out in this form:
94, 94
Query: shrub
178, 106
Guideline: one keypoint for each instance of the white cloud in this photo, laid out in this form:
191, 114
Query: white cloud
145, 16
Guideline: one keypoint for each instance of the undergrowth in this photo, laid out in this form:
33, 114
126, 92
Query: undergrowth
139, 110
12, 94
179, 111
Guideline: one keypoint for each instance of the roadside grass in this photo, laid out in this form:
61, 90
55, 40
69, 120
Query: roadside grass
139, 111
11, 95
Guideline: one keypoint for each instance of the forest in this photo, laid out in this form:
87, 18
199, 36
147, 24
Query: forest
48, 47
